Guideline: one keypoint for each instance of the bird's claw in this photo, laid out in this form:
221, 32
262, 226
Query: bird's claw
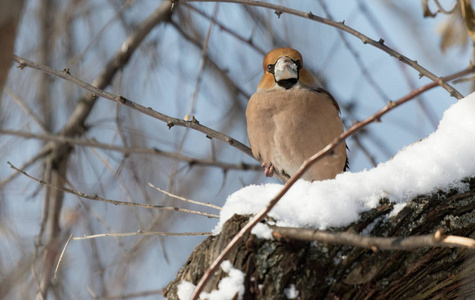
269, 169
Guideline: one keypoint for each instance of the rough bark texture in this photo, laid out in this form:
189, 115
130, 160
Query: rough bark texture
342, 272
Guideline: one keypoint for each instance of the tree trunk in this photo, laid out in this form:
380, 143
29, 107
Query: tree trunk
10, 13
321, 271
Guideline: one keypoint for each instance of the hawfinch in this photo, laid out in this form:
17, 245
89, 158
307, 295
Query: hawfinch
290, 118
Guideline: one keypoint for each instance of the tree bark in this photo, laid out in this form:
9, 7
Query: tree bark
321, 271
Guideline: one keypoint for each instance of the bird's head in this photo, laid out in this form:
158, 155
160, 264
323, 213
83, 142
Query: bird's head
284, 67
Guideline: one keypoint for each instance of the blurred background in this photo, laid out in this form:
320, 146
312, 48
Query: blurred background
197, 59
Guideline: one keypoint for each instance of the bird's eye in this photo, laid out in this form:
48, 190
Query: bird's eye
270, 69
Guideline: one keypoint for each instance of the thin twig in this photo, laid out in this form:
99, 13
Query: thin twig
375, 24
457, 241
199, 76
152, 151
223, 73
37, 282
61, 256
26, 108
75, 125
140, 232
170, 121
201, 68
364, 70
115, 202
99, 36
365, 151
341, 25
184, 199
226, 29
307, 163
381, 243
132, 295
44, 152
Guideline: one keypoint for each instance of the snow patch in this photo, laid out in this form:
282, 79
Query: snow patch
228, 287
291, 292
438, 162
262, 231
396, 209
185, 290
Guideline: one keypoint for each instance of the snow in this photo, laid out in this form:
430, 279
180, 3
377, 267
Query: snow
439, 161
228, 287
262, 231
369, 228
291, 292
396, 209
185, 290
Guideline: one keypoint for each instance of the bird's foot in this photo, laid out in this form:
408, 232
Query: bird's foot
269, 169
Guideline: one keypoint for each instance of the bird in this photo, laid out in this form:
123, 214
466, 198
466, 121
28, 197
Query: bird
290, 118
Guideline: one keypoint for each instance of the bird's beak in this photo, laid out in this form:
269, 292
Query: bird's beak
285, 68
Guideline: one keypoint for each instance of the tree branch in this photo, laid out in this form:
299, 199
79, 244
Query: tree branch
376, 243
194, 124
152, 151
27, 109
140, 232
43, 153
325, 151
115, 202
226, 29
341, 25
184, 199
56, 164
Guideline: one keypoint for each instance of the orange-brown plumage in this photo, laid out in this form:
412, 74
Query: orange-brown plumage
290, 118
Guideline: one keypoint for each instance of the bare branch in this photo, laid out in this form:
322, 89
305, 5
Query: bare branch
122, 56
201, 68
184, 199
152, 151
131, 295
27, 109
115, 202
380, 243
194, 124
341, 25
9, 19
44, 152
365, 151
325, 151
97, 37
56, 165
364, 71
61, 256
226, 29
140, 232
224, 75
404, 68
